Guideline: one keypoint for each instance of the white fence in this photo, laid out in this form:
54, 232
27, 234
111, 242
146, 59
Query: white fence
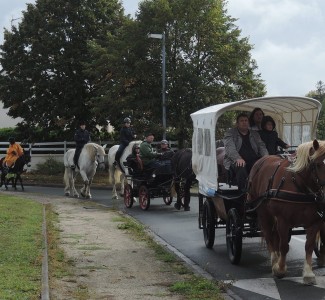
40, 152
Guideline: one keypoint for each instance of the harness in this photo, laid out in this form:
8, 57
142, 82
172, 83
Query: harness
304, 193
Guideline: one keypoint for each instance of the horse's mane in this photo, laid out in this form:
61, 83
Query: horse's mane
92, 147
303, 157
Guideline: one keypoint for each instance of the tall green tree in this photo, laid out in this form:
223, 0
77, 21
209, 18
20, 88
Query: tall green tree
319, 94
42, 79
207, 62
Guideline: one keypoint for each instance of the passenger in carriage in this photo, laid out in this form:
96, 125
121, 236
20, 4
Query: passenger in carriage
148, 155
243, 147
255, 119
270, 137
13, 153
166, 152
134, 161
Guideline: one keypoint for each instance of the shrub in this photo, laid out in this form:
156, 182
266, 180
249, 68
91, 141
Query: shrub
50, 167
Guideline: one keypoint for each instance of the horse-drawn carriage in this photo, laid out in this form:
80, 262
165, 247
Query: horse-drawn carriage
300, 193
148, 184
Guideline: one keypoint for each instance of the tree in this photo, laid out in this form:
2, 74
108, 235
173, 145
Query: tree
42, 79
319, 94
207, 63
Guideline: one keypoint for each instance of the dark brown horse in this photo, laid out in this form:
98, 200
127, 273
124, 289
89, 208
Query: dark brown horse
15, 171
183, 177
289, 193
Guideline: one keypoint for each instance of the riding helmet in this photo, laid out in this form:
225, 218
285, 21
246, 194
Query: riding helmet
11, 139
164, 142
127, 120
82, 123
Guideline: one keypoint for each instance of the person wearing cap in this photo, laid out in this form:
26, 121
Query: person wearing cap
126, 136
13, 153
147, 154
81, 137
165, 150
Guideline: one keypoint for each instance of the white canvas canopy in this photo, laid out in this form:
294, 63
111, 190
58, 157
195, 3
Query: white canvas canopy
295, 118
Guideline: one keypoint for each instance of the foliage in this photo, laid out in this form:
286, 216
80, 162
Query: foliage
207, 62
84, 59
42, 79
50, 167
21, 248
319, 94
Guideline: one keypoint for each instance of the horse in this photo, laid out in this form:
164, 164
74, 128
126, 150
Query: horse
91, 156
288, 193
15, 171
117, 172
183, 177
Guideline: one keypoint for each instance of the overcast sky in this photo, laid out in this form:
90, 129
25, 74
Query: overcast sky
288, 38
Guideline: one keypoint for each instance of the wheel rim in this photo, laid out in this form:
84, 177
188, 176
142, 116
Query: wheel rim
127, 196
143, 197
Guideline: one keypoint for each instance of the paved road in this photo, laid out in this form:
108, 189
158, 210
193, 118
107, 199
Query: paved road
251, 279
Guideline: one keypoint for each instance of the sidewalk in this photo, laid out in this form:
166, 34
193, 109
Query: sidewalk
107, 263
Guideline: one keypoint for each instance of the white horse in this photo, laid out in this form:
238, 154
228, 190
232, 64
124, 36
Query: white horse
91, 156
116, 175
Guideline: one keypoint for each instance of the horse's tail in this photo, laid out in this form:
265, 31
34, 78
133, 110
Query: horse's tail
114, 175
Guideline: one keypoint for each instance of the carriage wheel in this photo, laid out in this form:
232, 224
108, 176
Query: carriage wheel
209, 223
144, 198
168, 200
234, 236
128, 197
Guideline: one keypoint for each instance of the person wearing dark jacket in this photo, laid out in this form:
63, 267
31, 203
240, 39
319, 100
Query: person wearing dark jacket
81, 137
270, 137
126, 136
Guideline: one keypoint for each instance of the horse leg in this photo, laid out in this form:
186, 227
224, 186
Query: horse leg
84, 190
267, 225
178, 203
321, 258
112, 180
122, 184
280, 268
308, 274
187, 194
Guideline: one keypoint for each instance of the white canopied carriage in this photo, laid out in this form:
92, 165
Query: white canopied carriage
222, 206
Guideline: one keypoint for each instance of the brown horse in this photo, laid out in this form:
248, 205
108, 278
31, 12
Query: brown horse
289, 193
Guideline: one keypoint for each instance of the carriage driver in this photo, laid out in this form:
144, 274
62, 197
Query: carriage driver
147, 154
13, 153
81, 138
243, 147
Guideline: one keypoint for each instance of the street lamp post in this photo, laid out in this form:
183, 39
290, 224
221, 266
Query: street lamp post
163, 54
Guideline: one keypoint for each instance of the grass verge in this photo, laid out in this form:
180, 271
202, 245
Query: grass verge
192, 287
21, 248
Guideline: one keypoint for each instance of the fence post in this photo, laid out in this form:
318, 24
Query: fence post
65, 146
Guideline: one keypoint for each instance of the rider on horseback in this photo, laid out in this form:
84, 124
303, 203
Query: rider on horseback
81, 137
126, 136
13, 153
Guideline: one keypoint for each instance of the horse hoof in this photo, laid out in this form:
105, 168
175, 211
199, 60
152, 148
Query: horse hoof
122, 195
278, 273
187, 208
114, 197
309, 280
67, 194
177, 206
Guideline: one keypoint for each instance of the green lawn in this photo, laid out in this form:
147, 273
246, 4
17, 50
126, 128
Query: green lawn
21, 248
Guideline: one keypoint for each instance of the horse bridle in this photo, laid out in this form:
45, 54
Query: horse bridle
97, 157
